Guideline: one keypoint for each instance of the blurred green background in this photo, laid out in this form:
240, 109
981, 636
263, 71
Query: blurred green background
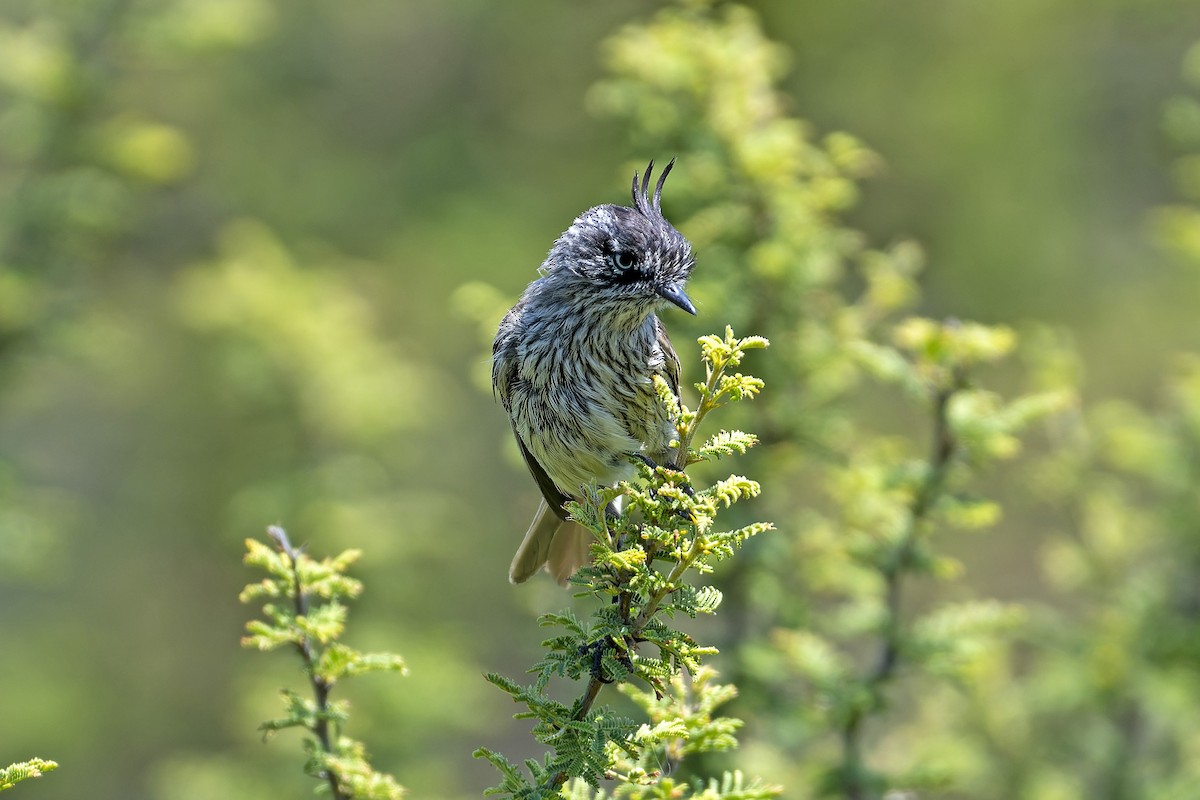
231, 235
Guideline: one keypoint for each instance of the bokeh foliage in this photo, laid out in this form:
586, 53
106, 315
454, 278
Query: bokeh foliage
231, 234
825, 628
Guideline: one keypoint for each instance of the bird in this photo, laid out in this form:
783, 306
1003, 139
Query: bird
573, 364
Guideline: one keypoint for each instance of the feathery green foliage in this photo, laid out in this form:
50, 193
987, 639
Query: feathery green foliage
826, 627
639, 582
305, 608
858, 559
680, 723
758, 199
170, 373
13, 774
1100, 697
1119, 656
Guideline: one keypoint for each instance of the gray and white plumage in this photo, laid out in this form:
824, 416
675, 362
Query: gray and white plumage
574, 360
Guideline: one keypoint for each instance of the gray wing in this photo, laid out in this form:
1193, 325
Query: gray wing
504, 373
504, 361
554, 496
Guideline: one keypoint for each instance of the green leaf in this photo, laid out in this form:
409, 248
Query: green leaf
726, 443
732, 489
324, 623
340, 661
23, 770
268, 637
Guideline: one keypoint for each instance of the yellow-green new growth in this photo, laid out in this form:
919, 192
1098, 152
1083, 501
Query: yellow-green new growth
681, 723
641, 561
13, 774
304, 610
718, 388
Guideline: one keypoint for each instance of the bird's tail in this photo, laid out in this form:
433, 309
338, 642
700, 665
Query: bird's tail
561, 546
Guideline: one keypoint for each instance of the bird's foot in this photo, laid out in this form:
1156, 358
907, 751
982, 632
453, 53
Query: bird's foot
645, 459
650, 463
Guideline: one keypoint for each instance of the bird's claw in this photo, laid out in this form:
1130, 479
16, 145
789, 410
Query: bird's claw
646, 460
652, 465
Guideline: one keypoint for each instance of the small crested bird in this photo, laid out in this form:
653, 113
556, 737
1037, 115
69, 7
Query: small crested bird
574, 360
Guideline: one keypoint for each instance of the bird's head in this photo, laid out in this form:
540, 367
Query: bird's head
630, 257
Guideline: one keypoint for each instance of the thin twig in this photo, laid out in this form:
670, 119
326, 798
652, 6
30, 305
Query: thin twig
596, 683
636, 626
678, 463
943, 447
320, 727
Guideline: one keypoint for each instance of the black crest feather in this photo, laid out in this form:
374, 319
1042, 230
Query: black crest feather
642, 201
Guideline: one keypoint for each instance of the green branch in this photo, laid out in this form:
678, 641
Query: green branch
13, 774
639, 581
320, 686
311, 620
856, 785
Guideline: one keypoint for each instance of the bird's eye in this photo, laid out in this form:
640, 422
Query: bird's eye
624, 260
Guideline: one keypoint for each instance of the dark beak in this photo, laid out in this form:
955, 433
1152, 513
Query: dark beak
673, 293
